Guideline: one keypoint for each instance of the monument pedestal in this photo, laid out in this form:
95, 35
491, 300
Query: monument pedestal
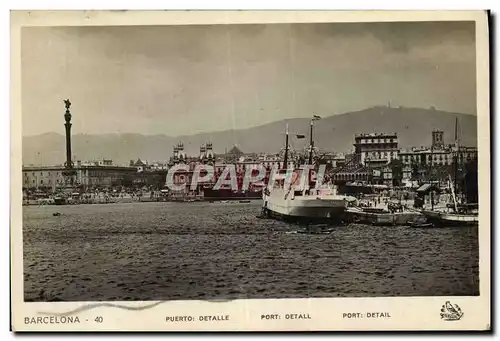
69, 181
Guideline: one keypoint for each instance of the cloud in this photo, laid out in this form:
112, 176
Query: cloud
143, 78
396, 36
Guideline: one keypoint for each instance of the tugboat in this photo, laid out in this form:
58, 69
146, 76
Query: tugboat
304, 204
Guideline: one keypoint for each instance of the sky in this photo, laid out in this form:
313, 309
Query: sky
181, 80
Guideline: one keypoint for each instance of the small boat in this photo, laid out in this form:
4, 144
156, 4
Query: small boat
461, 214
245, 201
452, 218
416, 224
56, 214
316, 229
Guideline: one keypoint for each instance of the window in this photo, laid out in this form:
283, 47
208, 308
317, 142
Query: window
49, 173
41, 182
41, 173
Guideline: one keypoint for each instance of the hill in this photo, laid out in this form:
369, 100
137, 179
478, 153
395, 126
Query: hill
333, 133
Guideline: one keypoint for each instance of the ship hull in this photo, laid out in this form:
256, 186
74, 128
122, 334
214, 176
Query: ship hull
310, 216
305, 210
451, 219
370, 218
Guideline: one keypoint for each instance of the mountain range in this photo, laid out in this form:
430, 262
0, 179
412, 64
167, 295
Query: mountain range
333, 133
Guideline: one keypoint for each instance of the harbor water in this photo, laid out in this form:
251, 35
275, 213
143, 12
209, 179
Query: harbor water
202, 251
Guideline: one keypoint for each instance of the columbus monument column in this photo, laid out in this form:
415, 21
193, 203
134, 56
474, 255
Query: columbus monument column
69, 172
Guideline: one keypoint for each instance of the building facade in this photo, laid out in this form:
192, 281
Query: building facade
43, 177
50, 178
376, 149
424, 156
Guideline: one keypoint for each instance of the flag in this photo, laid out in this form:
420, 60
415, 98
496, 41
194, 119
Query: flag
300, 136
316, 117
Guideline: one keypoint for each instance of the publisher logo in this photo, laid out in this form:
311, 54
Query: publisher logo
451, 312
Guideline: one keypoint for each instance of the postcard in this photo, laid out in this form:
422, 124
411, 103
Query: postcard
250, 171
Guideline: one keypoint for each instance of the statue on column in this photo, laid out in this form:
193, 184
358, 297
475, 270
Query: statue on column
67, 103
69, 172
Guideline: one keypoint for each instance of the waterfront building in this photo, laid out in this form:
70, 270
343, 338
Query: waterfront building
383, 176
51, 178
152, 178
376, 149
140, 165
207, 155
435, 162
271, 160
438, 153
233, 154
158, 166
43, 177
424, 156
339, 160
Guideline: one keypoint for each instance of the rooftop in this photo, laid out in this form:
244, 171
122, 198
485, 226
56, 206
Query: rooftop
376, 135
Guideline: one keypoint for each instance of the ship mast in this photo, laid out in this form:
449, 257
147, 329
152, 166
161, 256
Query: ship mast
285, 160
456, 156
311, 147
430, 175
311, 143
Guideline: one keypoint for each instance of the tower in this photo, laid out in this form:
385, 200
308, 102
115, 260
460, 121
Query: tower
209, 153
203, 151
181, 155
437, 139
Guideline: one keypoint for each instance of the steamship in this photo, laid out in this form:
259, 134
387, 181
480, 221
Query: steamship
301, 202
